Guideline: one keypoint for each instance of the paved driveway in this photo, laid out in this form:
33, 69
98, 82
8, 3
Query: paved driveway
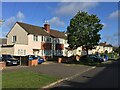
55, 69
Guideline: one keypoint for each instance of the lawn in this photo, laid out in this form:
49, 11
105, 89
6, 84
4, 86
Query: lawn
26, 79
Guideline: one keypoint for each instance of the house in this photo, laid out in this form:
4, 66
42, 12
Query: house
102, 48
25, 39
3, 41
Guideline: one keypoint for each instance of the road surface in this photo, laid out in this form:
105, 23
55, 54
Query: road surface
105, 76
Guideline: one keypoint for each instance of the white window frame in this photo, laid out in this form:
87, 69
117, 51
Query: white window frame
24, 52
14, 38
35, 37
19, 51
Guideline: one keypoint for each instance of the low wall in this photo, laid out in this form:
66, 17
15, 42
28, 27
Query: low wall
33, 62
66, 59
2, 65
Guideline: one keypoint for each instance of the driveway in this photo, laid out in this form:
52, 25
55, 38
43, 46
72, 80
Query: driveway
55, 69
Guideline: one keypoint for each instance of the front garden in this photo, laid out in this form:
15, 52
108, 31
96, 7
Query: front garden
25, 79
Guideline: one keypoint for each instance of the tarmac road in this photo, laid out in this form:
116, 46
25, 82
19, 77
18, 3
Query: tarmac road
105, 76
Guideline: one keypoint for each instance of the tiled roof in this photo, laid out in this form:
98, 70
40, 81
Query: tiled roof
105, 45
32, 29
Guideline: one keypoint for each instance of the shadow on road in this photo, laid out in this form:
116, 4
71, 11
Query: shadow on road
105, 76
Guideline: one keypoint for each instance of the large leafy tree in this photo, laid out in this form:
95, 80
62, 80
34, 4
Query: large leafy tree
84, 31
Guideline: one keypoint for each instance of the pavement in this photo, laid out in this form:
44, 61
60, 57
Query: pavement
104, 76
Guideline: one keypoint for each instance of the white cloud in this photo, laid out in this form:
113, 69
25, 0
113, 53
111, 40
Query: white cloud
9, 22
55, 21
20, 15
105, 25
114, 14
70, 8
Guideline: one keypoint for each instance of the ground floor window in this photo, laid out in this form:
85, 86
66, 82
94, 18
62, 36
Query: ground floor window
21, 52
59, 52
47, 52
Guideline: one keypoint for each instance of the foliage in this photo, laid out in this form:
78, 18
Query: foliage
83, 31
117, 49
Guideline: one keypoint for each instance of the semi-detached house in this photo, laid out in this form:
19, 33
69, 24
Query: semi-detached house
25, 39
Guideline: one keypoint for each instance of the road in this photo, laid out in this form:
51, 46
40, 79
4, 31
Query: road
105, 76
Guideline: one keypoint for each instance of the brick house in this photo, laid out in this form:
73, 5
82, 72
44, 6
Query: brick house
25, 39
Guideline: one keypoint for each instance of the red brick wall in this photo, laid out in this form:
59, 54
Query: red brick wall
33, 62
2, 65
59, 47
46, 46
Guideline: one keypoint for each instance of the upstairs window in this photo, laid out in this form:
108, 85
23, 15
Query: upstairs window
14, 38
35, 38
48, 39
42, 38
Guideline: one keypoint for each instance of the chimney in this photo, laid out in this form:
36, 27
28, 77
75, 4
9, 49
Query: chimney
47, 27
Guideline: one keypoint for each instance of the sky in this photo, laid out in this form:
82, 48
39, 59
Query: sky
58, 14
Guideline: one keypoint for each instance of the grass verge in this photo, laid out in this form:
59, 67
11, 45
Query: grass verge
25, 79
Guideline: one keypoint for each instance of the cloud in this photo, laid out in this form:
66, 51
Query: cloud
70, 8
55, 21
113, 39
20, 15
10, 22
114, 14
105, 25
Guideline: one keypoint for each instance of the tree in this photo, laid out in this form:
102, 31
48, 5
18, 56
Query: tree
116, 49
83, 31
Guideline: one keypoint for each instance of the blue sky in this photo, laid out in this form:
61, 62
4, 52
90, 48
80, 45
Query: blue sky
59, 14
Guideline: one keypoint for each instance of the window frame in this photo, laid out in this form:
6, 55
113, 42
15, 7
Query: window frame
14, 38
35, 38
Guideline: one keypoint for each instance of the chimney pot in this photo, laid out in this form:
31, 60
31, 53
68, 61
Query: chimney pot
47, 27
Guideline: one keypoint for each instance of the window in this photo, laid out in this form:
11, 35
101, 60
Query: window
24, 52
48, 39
21, 52
18, 51
47, 52
42, 38
35, 38
14, 39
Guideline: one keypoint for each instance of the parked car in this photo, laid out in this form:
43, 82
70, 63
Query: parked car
31, 57
9, 59
40, 60
96, 58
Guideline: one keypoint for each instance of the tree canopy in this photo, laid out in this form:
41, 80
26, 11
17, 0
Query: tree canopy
83, 31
